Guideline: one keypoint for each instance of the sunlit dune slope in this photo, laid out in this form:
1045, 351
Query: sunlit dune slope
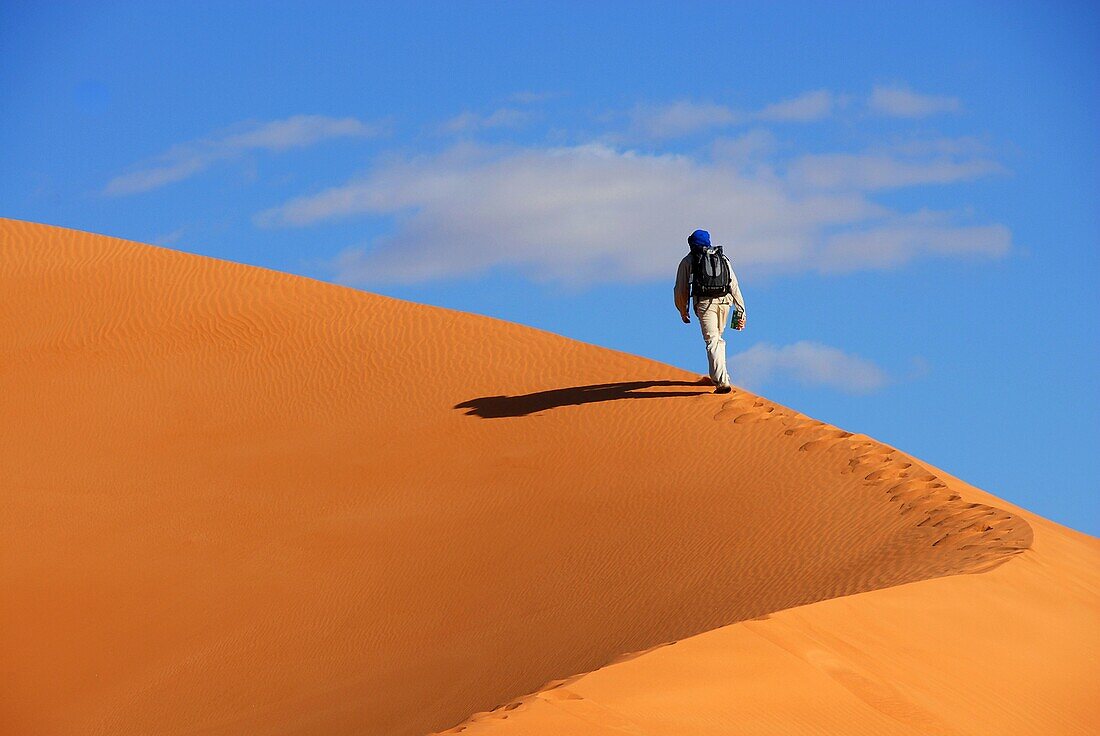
238, 501
1012, 651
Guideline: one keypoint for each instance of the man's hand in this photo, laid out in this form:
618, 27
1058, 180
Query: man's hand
740, 324
685, 318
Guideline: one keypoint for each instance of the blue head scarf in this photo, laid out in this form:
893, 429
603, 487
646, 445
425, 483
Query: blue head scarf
699, 239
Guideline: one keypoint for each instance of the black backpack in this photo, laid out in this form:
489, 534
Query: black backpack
710, 273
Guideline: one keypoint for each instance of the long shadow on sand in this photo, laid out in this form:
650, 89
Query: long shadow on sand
496, 407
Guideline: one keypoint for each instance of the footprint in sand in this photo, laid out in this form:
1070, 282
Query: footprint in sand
830, 438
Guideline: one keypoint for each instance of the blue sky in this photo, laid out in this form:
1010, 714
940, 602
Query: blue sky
908, 191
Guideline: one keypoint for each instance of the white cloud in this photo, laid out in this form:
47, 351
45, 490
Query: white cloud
469, 122
750, 146
563, 214
685, 117
808, 363
187, 159
682, 118
168, 238
174, 166
960, 146
901, 102
895, 243
804, 108
530, 97
866, 171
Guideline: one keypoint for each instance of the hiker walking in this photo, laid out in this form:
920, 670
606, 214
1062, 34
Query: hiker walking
706, 277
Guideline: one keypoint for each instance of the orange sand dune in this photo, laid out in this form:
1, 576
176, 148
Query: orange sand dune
237, 501
1012, 651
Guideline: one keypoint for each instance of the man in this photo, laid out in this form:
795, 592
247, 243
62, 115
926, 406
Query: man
706, 277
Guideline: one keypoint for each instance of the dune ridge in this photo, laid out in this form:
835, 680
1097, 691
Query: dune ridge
240, 500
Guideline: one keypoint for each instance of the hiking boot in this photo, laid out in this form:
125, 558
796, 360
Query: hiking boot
723, 389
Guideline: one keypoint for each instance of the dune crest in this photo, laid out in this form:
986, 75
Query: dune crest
240, 501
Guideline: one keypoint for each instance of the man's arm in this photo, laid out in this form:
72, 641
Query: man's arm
735, 289
681, 291
738, 299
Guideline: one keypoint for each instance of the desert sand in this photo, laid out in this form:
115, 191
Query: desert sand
237, 501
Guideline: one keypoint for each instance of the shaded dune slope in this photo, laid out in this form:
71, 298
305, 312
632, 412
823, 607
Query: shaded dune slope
239, 501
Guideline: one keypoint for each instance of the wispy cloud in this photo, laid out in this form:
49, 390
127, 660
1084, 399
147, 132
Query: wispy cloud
470, 122
563, 213
958, 146
529, 97
685, 117
867, 171
168, 238
187, 159
902, 102
894, 243
752, 145
682, 118
805, 108
807, 363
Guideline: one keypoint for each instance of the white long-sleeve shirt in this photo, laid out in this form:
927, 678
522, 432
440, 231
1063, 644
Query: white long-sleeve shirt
682, 290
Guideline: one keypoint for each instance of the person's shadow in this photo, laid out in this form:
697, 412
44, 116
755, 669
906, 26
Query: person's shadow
495, 407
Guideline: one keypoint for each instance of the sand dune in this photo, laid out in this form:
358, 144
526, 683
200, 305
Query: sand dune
1014, 650
239, 501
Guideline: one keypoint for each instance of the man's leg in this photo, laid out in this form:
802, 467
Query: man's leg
721, 316
721, 308
712, 315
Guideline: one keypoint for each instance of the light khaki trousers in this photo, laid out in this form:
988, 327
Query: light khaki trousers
713, 316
